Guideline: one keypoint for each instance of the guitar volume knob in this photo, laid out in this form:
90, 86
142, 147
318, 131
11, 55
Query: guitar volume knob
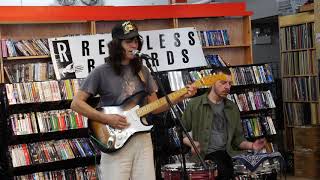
110, 142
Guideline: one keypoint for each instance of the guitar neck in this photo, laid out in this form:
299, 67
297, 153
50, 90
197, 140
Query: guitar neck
160, 102
205, 81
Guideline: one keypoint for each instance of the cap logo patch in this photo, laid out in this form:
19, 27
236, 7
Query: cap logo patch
127, 27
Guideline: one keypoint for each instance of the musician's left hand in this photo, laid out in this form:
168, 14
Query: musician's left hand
192, 90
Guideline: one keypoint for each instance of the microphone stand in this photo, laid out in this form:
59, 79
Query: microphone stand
178, 118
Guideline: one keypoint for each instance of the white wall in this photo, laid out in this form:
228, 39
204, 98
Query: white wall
260, 8
78, 2
135, 2
10, 3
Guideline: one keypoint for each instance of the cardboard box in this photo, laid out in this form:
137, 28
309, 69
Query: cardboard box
307, 164
306, 138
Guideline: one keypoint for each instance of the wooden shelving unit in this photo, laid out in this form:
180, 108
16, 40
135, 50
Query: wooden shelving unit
36, 22
26, 57
301, 80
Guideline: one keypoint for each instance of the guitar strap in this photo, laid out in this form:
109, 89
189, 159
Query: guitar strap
144, 82
143, 101
141, 76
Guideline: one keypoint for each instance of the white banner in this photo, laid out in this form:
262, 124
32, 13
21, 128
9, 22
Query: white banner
76, 56
171, 49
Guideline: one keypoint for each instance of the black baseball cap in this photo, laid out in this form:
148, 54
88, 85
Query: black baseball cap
125, 30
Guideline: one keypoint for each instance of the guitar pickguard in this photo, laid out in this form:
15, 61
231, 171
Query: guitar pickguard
113, 139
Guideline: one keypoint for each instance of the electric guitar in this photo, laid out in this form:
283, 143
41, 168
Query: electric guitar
110, 139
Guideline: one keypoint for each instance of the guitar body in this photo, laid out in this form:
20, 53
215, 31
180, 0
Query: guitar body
109, 139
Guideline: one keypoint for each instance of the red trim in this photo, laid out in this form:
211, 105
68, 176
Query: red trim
80, 13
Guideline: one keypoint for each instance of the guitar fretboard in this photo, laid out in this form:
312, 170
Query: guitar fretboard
162, 101
205, 81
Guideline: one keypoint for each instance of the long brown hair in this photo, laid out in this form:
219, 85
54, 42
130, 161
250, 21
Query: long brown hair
116, 54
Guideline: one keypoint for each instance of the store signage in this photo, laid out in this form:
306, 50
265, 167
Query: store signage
173, 49
170, 49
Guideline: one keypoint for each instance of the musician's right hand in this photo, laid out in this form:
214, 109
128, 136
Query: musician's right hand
197, 146
117, 121
188, 143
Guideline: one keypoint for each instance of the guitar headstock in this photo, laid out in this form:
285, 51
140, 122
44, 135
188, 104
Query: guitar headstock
210, 80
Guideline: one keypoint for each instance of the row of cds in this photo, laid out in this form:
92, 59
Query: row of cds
300, 89
29, 72
252, 75
80, 173
51, 151
214, 37
32, 47
258, 126
47, 121
297, 37
20, 93
250, 101
240, 76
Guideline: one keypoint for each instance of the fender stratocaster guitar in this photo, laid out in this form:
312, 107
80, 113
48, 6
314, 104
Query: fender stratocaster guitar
110, 139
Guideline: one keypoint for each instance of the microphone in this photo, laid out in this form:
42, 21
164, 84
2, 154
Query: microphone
140, 54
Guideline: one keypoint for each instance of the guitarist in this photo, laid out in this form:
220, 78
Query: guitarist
115, 81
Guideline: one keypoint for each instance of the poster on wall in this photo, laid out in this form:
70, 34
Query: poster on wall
77, 56
170, 49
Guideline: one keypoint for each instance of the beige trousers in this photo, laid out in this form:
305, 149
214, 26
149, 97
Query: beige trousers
134, 160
